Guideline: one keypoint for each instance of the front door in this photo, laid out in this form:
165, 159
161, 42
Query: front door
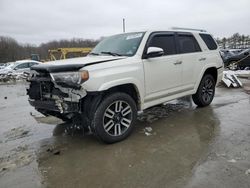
163, 75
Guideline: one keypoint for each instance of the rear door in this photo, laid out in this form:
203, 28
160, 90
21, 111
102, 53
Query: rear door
191, 57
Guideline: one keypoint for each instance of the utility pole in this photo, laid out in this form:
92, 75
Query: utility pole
123, 24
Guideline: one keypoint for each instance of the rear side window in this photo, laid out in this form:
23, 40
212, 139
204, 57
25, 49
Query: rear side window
188, 44
166, 42
208, 39
31, 64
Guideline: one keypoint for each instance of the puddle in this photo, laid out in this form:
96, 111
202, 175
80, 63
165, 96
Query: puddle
176, 142
167, 145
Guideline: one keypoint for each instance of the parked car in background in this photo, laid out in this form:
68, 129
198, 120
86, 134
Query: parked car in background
3, 65
18, 67
227, 53
238, 61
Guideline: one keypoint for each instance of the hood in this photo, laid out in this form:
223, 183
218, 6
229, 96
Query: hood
73, 64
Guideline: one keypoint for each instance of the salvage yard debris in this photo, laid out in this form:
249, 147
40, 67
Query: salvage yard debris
243, 73
230, 79
12, 77
247, 172
54, 151
148, 131
232, 161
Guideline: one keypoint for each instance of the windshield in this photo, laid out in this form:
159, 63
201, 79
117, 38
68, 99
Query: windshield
10, 66
119, 45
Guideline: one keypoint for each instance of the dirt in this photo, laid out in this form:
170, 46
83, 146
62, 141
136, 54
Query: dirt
173, 145
16, 133
246, 85
17, 157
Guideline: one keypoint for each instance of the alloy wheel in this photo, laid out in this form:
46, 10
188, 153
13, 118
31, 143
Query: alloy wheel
233, 66
207, 90
117, 118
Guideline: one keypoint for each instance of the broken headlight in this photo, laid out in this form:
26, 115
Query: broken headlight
70, 78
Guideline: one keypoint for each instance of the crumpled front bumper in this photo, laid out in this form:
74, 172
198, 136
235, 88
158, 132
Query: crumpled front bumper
47, 96
52, 105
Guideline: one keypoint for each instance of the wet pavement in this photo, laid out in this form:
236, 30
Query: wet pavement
176, 145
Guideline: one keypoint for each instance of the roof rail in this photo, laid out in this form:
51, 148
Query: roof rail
190, 29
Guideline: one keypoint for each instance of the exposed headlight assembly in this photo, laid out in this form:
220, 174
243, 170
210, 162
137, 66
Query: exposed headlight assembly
70, 79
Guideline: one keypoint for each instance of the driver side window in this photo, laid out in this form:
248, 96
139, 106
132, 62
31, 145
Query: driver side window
164, 41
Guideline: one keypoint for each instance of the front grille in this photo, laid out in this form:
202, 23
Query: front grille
34, 90
44, 96
42, 88
46, 88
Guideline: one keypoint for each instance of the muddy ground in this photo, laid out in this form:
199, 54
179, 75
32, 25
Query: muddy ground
176, 145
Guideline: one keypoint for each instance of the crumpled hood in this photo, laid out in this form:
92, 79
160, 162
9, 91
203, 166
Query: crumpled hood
73, 64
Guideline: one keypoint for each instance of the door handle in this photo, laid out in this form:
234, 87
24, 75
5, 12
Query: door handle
202, 59
178, 63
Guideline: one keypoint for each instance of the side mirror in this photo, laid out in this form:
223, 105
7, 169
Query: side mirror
246, 53
154, 52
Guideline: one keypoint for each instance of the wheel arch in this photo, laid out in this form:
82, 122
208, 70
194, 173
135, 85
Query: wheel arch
209, 70
212, 71
128, 88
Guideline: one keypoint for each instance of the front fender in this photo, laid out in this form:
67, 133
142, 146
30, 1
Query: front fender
123, 81
113, 83
102, 78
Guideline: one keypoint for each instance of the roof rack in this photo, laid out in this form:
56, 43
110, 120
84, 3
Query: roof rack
190, 29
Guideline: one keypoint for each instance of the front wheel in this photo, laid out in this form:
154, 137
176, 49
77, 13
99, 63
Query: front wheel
114, 118
205, 92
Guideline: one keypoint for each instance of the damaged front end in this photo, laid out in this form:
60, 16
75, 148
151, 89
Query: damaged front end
57, 93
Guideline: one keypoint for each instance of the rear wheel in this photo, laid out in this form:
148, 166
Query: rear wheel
114, 118
205, 92
233, 65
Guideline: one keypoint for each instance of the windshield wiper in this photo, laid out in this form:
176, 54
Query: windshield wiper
93, 53
111, 53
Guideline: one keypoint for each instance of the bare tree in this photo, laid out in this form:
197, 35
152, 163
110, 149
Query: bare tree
11, 50
236, 41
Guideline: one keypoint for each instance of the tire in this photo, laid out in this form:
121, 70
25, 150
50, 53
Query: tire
205, 92
114, 118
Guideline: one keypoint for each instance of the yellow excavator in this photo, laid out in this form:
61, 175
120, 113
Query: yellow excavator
63, 53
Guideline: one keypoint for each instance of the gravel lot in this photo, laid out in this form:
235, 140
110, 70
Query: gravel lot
176, 145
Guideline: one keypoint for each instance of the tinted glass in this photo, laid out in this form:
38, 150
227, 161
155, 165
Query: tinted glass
123, 44
22, 66
166, 42
31, 64
208, 39
188, 44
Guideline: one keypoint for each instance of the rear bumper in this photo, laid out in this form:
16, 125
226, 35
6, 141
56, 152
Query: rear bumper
220, 74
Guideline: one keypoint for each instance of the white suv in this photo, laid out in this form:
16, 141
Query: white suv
125, 74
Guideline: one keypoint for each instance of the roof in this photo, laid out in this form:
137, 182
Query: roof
173, 29
26, 61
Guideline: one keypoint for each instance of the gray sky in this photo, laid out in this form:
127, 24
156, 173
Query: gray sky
37, 21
